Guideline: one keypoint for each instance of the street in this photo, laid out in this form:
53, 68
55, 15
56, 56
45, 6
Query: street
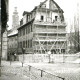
16, 71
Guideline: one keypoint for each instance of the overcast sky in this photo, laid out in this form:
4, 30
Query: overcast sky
68, 6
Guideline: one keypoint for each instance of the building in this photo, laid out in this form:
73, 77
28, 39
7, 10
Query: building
4, 45
12, 45
12, 35
4, 18
43, 29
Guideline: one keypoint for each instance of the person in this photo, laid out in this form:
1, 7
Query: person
15, 57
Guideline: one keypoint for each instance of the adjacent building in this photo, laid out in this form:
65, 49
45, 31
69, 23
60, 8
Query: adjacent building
3, 32
12, 36
12, 45
43, 30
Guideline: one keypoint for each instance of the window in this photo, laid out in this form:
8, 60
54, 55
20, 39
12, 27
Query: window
56, 18
31, 43
26, 44
20, 44
23, 31
19, 32
26, 30
31, 27
42, 18
28, 17
23, 44
43, 6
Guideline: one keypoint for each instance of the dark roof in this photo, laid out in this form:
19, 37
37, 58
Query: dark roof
25, 24
25, 12
54, 3
58, 6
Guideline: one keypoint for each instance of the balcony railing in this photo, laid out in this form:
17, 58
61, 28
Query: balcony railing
55, 23
49, 40
49, 31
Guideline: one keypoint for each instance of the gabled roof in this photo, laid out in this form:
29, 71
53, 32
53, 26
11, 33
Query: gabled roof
25, 24
53, 2
25, 12
57, 5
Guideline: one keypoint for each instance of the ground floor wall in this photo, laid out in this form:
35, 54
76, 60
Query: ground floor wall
49, 58
12, 54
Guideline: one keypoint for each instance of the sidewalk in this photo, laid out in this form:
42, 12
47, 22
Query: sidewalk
12, 77
65, 70
12, 71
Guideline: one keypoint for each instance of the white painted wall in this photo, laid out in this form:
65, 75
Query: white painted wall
53, 14
47, 4
38, 16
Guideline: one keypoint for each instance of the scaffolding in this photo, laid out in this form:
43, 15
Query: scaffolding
54, 43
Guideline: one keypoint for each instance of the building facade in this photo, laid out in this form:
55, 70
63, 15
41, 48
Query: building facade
4, 19
4, 45
12, 35
12, 45
43, 29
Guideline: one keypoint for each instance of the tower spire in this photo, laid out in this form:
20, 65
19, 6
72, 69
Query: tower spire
15, 19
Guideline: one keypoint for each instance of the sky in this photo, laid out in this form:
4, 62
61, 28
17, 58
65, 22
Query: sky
68, 6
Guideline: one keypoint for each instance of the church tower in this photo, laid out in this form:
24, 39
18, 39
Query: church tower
15, 19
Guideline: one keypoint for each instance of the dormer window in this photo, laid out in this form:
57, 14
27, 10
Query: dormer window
42, 18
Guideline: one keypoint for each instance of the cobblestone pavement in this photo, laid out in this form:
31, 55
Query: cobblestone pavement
12, 77
67, 71
12, 71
